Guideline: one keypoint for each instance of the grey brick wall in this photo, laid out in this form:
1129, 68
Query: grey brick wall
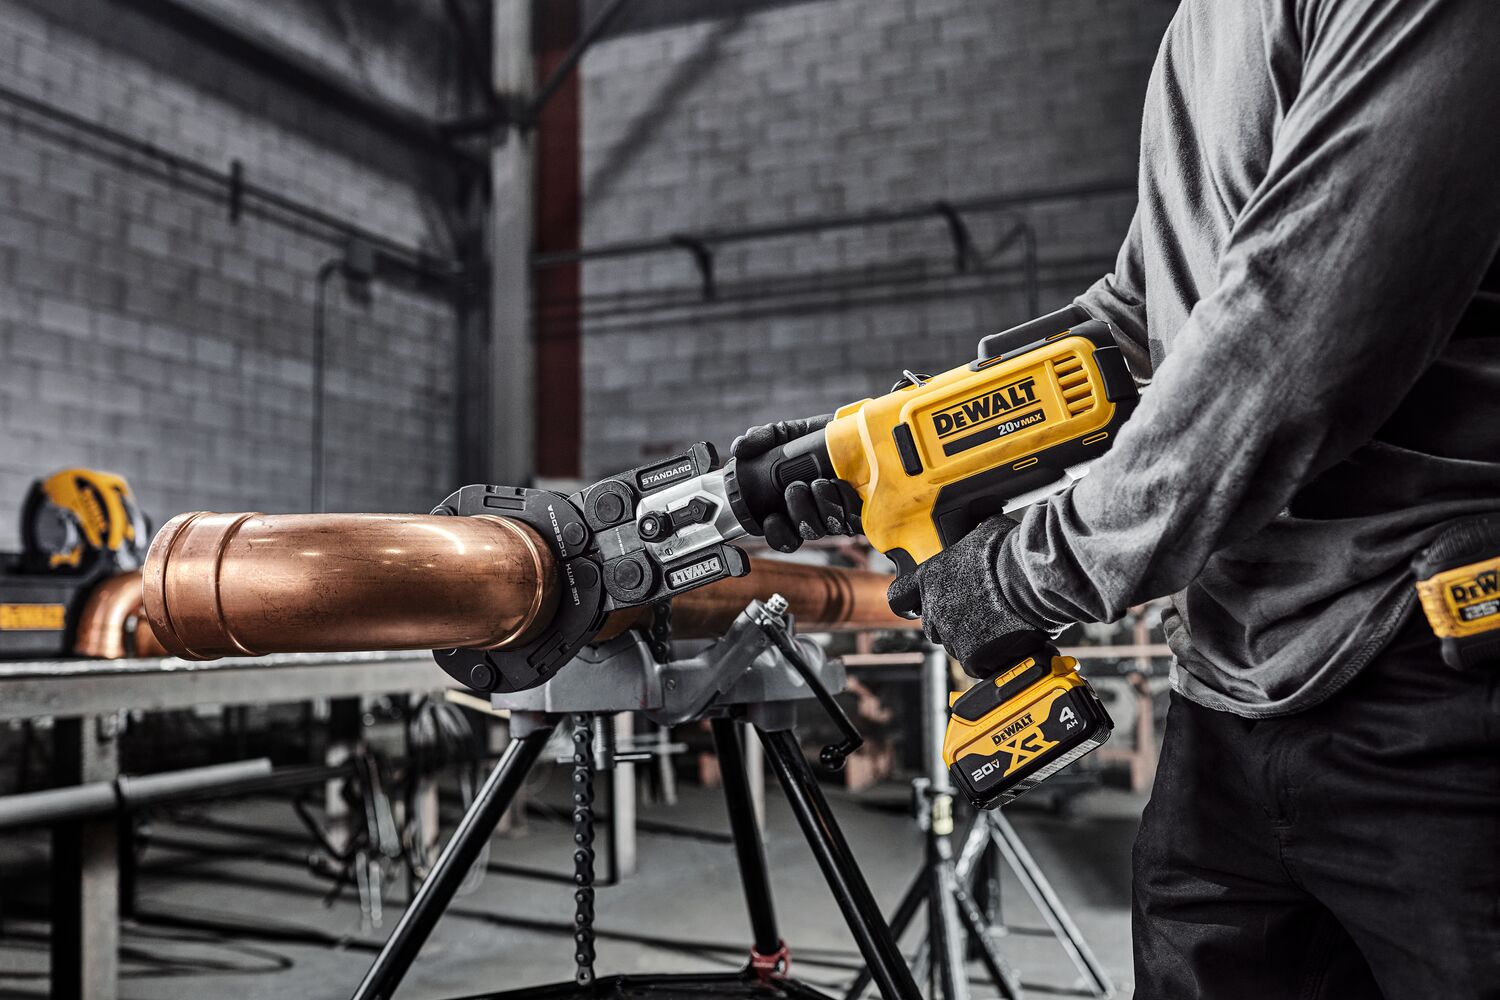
825, 107
144, 332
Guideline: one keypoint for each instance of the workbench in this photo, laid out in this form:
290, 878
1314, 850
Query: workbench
87, 699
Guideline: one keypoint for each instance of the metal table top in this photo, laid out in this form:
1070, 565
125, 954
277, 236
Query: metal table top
77, 687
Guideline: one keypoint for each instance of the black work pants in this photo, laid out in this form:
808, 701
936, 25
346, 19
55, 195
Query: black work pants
1348, 852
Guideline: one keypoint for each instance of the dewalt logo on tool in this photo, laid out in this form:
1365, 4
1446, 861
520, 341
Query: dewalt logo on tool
981, 409
700, 570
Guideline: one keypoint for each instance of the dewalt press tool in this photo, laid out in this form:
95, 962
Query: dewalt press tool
935, 457
929, 461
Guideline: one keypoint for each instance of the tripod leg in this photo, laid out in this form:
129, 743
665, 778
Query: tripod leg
473, 832
975, 844
945, 935
987, 885
747, 843
891, 974
1001, 975
905, 911
1042, 894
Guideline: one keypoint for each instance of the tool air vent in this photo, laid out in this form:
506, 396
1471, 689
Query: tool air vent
1073, 381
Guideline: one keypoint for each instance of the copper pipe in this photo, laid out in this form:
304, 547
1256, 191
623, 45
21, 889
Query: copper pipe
246, 584
106, 613
823, 599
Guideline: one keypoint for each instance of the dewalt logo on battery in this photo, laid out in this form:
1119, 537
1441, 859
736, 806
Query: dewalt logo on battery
981, 409
1012, 729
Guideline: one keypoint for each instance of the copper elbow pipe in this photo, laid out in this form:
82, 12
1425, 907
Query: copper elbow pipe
106, 615
247, 584
104, 626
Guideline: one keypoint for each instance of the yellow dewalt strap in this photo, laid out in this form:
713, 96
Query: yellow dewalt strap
1463, 601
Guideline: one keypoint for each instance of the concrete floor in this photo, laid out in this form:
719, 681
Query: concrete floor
687, 888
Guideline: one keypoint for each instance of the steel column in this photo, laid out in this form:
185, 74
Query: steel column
512, 361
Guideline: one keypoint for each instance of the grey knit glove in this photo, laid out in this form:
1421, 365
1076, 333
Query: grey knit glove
957, 593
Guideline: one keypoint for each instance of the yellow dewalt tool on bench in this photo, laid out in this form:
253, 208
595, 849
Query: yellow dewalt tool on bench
79, 527
929, 461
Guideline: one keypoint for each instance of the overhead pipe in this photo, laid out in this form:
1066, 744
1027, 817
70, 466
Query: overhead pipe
248, 584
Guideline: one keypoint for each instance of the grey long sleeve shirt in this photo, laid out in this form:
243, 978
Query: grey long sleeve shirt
1304, 286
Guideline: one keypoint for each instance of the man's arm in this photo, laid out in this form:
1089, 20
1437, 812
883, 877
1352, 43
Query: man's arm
1119, 299
1345, 273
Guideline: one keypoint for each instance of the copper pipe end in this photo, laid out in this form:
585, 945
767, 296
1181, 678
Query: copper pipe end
822, 598
248, 584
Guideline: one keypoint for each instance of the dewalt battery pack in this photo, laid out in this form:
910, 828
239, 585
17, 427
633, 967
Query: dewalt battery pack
1458, 583
1012, 732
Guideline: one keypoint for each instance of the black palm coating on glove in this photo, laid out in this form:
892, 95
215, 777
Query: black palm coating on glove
811, 510
957, 593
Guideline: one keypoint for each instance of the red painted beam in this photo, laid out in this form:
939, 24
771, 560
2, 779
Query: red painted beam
559, 219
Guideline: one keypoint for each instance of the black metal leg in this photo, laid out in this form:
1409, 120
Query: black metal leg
892, 976
452, 866
905, 910
987, 885
945, 943
1042, 894
1001, 977
85, 870
747, 842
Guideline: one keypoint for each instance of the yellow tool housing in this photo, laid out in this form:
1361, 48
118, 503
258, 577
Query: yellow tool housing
936, 456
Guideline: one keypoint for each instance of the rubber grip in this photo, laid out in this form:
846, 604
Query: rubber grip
756, 485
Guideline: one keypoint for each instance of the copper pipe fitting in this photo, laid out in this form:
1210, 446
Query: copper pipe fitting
104, 626
247, 584
106, 615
